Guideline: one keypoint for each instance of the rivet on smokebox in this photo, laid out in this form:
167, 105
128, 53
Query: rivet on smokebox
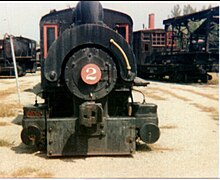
102, 133
50, 129
50, 142
53, 75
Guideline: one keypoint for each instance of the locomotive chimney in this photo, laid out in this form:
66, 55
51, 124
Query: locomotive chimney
151, 21
89, 12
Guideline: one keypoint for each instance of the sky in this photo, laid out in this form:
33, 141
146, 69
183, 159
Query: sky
23, 17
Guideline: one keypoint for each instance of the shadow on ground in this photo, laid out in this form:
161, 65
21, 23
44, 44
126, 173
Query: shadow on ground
18, 119
23, 149
143, 148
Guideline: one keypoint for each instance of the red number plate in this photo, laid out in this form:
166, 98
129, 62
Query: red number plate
91, 74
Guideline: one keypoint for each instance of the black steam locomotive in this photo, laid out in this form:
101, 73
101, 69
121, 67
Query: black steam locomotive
25, 54
87, 79
184, 51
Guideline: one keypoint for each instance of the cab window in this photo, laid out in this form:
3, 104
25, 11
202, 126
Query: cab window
50, 35
123, 29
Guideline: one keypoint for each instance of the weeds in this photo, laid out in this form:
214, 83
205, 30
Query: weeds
168, 127
2, 174
209, 96
154, 96
159, 148
5, 143
4, 123
170, 93
7, 92
214, 112
29, 172
9, 110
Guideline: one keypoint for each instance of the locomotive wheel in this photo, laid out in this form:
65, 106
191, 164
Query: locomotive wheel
209, 77
23, 71
182, 77
205, 77
179, 77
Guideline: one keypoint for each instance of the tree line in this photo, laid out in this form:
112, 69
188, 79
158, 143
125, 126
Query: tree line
187, 9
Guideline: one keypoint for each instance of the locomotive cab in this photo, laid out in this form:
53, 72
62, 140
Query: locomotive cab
87, 80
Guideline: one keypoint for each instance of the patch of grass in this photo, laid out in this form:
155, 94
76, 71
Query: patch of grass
168, 127
2, 123
7, 92
9, 110
164, 91
24, 172
215, 116
204, 108
214, 112
209, 96
154, 96
44, 175
5, 143
2, 174
28, 172
159, 148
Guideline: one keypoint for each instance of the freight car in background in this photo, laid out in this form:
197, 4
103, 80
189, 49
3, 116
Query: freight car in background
87, 75
184, 51
25, 54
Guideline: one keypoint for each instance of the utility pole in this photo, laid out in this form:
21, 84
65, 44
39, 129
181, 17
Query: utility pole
15, 67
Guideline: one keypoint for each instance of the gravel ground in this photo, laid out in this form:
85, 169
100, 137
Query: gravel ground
188, 146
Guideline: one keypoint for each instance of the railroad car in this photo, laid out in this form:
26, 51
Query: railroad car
87, 77
25, 55
184, 51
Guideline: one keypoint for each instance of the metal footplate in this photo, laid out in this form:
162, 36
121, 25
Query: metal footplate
64, 138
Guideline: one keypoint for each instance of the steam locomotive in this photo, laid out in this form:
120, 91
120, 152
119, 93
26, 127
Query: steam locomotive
86, 81
25, 54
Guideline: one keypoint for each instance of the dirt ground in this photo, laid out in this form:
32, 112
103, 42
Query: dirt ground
188, 146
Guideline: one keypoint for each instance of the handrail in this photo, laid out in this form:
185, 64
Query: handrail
123, 54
